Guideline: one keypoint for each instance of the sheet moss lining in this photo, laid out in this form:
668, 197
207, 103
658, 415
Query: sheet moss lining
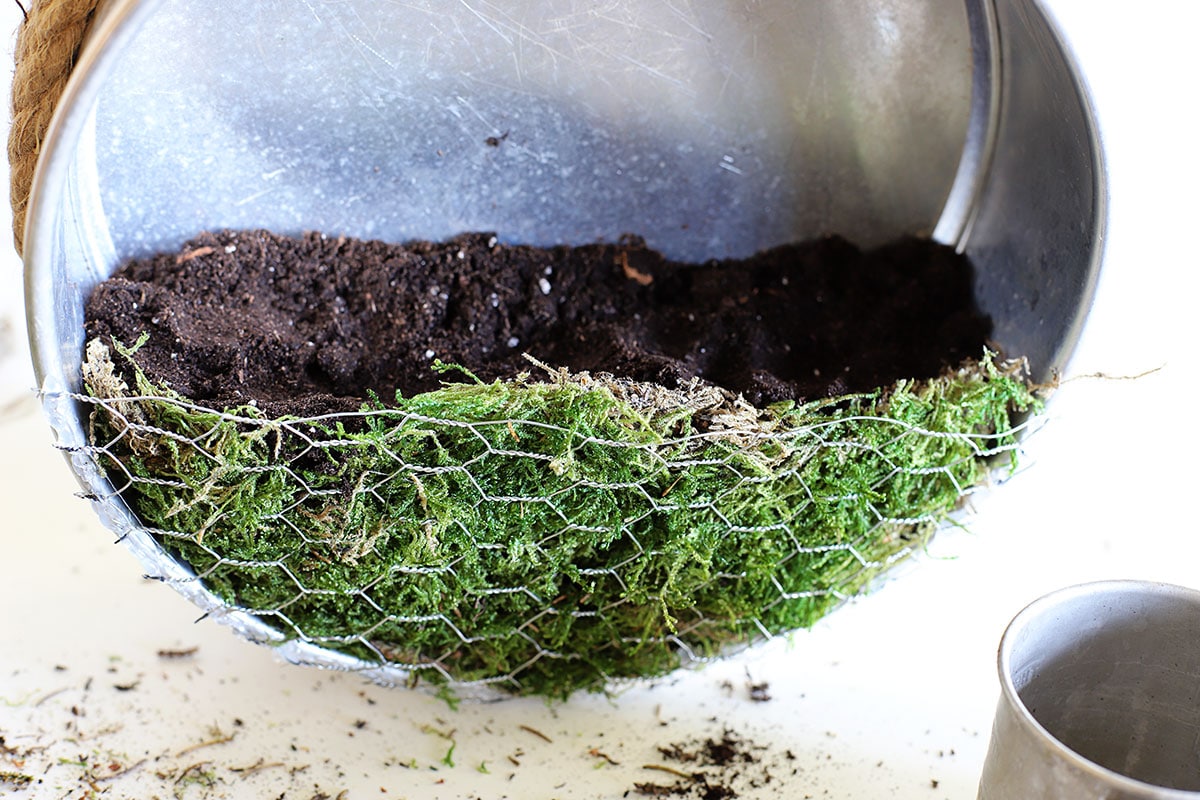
557, 531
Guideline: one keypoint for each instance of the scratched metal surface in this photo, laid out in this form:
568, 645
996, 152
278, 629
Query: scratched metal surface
711, 129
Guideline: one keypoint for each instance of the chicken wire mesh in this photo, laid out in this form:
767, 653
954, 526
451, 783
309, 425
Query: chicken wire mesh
546, 534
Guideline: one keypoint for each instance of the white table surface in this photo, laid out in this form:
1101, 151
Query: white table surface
890, 697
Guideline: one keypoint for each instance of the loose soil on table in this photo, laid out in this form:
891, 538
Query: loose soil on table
316, 323
710, 769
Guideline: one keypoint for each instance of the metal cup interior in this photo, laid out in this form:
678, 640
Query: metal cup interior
710, 129
1103, 681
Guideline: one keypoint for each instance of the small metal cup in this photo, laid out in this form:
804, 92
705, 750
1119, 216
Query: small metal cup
1100, 697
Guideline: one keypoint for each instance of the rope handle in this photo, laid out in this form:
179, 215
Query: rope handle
48, 44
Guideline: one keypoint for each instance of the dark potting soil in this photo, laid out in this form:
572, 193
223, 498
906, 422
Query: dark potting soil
312, 324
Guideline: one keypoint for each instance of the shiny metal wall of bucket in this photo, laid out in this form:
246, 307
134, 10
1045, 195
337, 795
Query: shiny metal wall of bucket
712, 130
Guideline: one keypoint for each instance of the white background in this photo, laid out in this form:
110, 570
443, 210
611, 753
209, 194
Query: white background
890, 697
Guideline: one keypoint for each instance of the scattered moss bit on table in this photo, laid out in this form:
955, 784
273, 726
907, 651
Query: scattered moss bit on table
15, 778
549, 535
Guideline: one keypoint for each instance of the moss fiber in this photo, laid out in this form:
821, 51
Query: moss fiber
554, 534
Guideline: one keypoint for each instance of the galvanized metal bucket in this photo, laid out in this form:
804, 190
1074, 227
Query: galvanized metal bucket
712, 130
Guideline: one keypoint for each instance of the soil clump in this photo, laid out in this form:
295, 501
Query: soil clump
313, 324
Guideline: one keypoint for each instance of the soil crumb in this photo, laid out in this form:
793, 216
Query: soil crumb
315, 323
708, 769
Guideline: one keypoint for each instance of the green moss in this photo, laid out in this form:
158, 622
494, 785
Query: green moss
551, 535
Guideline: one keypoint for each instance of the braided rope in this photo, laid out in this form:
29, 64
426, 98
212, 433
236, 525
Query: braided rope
47, 47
